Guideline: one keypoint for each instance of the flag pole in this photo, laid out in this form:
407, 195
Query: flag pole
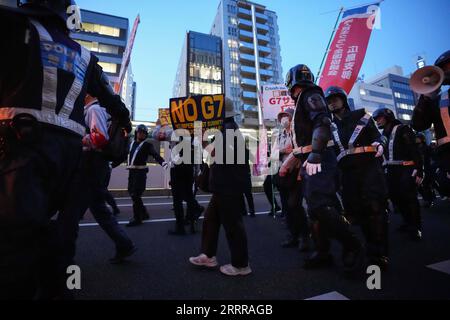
329, 45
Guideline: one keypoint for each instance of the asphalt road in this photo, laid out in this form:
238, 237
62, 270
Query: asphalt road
160, 269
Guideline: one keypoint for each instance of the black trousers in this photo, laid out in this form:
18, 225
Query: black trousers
97, 175
181, 180
226, 210
137, 181
37, 179
320, 195
364, 194
268, 190
403, 194
296, 219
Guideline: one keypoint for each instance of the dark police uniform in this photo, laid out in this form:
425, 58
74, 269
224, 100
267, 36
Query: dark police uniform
364, 189
312, 138
44, 76
436, 112
137, 178
402, 158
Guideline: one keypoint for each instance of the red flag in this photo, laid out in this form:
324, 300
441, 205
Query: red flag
348, 49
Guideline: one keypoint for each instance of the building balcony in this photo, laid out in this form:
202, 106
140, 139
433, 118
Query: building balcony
244, 13
245, 36
265, 74
261, 17
249, 97
248, 72
264, 51
246, 25
262, 28
247, 59
246, 47
263, 40
265, 63
248, 84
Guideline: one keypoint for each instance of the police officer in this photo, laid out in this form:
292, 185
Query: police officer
426, 188
140, 150
433, 109
181, 181
311, 140
44, 77
359, 147
404, 167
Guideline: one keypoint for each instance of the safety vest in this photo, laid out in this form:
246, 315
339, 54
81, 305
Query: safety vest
362, 123
132, 157
390, 161
55, 105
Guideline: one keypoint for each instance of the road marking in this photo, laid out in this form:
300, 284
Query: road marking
168, 197
443, 266
81, 225
156, 204
332, 296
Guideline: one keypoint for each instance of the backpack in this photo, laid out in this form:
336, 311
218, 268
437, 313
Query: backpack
116, 151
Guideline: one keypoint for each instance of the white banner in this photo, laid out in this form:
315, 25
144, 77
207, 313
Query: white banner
275, 99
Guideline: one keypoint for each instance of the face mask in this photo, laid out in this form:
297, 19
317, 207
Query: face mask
285, 122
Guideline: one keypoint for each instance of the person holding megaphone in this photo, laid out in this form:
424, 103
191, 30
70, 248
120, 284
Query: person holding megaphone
433, 108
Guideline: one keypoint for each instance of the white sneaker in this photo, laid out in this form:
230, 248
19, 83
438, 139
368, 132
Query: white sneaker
203, 261
229, 270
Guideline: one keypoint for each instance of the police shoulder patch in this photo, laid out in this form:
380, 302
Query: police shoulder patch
317, 103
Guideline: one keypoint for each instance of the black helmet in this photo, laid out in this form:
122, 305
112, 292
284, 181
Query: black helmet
384, 112
57, 8
443, 59
336, 91
142, 127
299, 75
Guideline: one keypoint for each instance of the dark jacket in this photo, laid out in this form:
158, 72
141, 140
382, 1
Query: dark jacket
405, 147
144, 153
233, 178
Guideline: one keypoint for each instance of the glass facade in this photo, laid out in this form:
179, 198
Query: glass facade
101, 29
99, 47
205, 74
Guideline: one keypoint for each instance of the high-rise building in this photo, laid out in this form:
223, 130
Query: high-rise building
251, 53
106, 36
371, 97
200, 68
404, 97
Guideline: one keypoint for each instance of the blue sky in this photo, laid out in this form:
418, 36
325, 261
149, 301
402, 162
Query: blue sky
408, 28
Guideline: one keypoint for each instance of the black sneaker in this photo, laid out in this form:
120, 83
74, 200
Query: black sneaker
121, 256
116, 211
134, 223
318, 260
146, 217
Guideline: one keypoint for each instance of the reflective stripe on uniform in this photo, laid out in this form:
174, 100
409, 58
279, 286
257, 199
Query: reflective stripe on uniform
133, 158
137, 167
358, 150
445, 106
399, 163
50, 74
308, 149
44, 116
391, 143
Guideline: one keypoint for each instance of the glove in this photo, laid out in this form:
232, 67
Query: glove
380, 149
418, 175
313, 165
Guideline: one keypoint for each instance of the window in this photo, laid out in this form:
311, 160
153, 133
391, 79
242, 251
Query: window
108, 67
197, 87
234, 55
406, 117
100, 29
380, 95
233, 43
362, 92
233, 21
98, 47
405, 106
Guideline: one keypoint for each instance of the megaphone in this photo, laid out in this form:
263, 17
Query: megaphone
427, 80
